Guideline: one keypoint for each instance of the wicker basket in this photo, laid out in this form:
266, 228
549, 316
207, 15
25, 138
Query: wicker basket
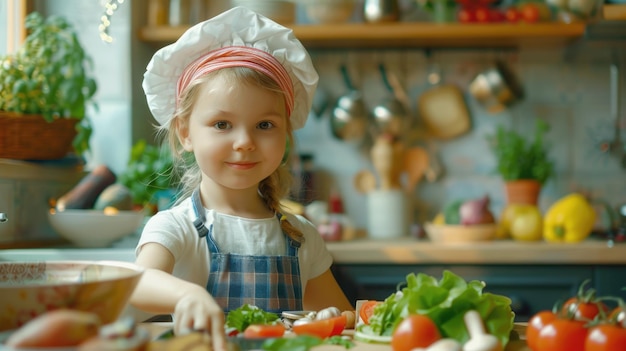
31, 137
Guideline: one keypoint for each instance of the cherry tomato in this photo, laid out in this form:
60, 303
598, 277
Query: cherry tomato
530, 12
339, 324
320, 328
583, 309
264, 331
535, 324
605, 337
466, 15
562, 335
414, 331
482, 15
512, 15
367, 309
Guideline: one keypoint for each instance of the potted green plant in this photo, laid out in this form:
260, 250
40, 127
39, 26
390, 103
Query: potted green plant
46, 87
522, 163
149, 173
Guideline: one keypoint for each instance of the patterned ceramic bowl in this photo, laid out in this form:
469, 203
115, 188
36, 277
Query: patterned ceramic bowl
29, 289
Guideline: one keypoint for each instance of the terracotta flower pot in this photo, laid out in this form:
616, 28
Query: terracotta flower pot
524, 191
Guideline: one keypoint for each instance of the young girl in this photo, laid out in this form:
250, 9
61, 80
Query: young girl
230, 91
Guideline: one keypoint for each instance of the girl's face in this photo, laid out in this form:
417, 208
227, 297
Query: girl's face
237, 132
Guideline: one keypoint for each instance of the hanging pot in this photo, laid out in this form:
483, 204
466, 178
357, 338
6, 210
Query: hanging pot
496, 88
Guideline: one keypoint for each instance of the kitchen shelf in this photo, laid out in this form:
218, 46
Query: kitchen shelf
413, 34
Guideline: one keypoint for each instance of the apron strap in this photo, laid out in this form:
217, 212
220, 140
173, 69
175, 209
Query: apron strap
199, 211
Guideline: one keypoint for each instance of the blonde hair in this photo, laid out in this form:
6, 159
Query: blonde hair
272, 189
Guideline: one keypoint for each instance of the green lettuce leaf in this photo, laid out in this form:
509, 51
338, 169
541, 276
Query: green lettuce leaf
445, 301
245, 315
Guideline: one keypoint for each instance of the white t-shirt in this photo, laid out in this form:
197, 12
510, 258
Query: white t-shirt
174, 229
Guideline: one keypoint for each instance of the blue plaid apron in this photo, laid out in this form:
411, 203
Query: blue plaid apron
271, 283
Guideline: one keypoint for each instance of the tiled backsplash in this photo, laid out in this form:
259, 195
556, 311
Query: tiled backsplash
569, 88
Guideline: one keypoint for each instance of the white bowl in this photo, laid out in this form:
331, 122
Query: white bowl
459, 234
29, 289
94, 228
328, 11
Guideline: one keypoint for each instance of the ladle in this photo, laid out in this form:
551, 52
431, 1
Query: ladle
390, 116
349, 117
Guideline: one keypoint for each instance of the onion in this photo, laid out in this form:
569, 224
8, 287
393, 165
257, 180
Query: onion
476, 212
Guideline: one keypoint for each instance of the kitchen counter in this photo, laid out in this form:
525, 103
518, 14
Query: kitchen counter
410, 251
397, 251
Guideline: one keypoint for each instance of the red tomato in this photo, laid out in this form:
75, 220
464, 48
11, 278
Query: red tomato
264, 331
414, 331
482, 15
466, 15
605, 337
512, 15
530, 12
322, 328
583, 309
535, 324
339, 324
562, 335
367, 309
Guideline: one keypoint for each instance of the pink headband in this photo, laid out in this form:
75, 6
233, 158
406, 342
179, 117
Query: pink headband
239, 56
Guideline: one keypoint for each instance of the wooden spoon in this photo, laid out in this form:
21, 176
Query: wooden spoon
364, 182
416, 162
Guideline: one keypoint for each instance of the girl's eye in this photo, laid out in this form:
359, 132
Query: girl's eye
266, 125
222, 125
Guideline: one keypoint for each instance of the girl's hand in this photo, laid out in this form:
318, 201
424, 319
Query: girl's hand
198, 311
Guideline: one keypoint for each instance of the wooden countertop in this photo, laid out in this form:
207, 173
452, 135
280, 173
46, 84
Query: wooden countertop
412, 251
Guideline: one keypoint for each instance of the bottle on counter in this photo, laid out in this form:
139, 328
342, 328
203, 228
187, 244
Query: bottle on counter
332, 229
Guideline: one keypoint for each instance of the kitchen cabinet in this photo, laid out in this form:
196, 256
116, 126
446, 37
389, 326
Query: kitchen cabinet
412, 34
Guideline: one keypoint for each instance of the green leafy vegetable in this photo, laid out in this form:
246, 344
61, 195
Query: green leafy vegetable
304, 343
452, 213
445, 301
245, 315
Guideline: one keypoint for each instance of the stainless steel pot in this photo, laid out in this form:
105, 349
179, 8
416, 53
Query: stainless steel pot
380, 10
496, 88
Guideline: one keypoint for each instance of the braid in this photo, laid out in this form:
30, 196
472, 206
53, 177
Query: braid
272, 188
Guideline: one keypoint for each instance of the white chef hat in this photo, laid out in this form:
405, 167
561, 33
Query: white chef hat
237, 28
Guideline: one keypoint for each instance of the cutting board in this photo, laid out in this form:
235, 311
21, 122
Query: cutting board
444, 112
195, 341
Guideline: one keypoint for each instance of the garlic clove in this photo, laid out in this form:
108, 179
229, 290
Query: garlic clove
327, 313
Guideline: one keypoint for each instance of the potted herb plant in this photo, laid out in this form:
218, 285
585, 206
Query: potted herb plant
46, 87
523, 164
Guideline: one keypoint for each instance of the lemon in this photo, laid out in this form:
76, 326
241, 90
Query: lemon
522, 222
439, 219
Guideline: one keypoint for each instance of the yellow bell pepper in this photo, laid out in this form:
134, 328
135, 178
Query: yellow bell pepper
570, 219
